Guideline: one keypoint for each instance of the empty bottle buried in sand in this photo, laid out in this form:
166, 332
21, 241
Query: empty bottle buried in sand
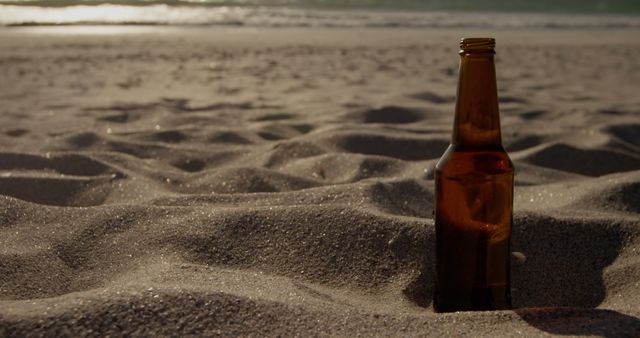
474, 194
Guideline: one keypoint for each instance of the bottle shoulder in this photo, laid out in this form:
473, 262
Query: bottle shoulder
467, 160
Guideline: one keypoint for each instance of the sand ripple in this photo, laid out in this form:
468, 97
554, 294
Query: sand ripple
287, 190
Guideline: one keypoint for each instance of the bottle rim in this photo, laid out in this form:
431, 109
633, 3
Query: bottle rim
470, 45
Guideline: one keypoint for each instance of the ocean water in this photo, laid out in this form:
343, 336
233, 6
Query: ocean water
490, 14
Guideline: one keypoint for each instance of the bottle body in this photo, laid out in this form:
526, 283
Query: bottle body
474, 200
474, 195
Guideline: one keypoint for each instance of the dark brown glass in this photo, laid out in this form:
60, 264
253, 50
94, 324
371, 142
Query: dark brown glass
474, 194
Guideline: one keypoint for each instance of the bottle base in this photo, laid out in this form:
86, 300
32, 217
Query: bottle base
476, 299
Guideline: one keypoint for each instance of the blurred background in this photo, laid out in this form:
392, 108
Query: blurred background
327, 13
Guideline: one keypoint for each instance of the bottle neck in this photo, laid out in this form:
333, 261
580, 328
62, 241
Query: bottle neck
477, 119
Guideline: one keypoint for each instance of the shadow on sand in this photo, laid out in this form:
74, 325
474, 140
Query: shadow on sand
557, 289
560, 285
581, 321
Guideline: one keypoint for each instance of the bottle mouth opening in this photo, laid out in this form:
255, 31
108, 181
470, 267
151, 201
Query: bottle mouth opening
477, 45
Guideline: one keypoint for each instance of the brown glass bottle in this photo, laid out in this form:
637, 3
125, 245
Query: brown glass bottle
474, 194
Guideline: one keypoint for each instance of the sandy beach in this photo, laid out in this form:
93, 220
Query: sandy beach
234, 181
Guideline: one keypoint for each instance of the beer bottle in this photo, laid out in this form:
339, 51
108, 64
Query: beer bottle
474, 194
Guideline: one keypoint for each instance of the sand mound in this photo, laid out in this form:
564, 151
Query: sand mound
591, 162
199, 184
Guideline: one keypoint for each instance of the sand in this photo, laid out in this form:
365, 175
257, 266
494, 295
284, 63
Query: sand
263, 182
